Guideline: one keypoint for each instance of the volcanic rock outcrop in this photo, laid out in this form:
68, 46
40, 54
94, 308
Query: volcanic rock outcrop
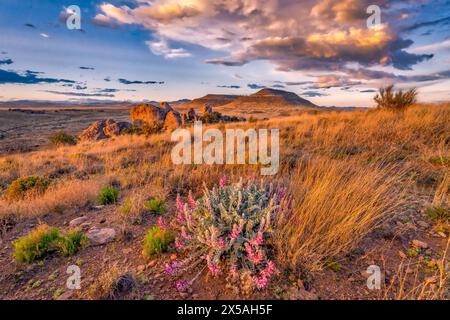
103, 129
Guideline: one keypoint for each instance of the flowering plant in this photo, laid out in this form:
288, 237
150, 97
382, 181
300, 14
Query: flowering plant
229, 228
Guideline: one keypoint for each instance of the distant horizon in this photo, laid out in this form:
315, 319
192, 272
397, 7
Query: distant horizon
168, 50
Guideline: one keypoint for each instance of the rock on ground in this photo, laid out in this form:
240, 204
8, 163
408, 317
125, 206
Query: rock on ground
101, 236
147, 113
103, 129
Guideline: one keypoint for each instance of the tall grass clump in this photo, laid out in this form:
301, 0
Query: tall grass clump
229, 231
336, 204
36, 244
156, 206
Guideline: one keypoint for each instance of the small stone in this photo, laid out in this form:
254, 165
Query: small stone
101, 236
195, 296
102, 221
152, 263
98, 207
85, 226
127, 251
419, 244
77, 221
442, 235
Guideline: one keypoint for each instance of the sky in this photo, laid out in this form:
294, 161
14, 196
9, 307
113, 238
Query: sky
165, 50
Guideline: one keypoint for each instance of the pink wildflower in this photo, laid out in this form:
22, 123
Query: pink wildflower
181, 285
223, 181
261, 282
179, 245
172, 268
258, 240
162, 223
184, 234
212, 267
220, 243
179, 204
191, 201
255, 256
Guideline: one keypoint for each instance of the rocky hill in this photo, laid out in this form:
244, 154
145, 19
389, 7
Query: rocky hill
270, 98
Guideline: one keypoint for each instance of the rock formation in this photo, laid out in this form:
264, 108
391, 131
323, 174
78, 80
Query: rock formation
147, 113
103, 129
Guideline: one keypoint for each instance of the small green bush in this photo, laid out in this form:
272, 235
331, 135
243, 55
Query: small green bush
156, 206
71, 242
36, 244
157, 241
19, 188
61, 138
439, 214
400, 100
45, 239
108, 195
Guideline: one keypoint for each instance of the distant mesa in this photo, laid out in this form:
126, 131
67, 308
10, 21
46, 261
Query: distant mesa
270, 97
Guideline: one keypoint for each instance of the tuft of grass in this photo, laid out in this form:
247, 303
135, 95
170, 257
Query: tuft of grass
157, 241
132, 208
70, 243
112, 284
45, 239
389, 99
61, 138
24, 186
438, 214
108, 195
36, 244
156, 206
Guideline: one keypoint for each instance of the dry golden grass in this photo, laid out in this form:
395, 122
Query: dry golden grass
348, 172
336, 205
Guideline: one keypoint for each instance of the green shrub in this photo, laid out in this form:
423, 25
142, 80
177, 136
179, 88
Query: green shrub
156, 206
108, 195
439, 214
61, 138
157, 241
36, 244
70, 243
19, 188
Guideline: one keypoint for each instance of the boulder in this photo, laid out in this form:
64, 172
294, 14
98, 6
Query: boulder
173, 120
103, 129
101, 236
147, 113
206, 108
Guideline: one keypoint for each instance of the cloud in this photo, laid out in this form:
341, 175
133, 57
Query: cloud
329, 35
128, 82
27, 77
255, 86
87, 68
79, 94
44, 35
162, 48
30, 25
422, 24
6, 61
368, 91
312, 94
107, 79
229, 86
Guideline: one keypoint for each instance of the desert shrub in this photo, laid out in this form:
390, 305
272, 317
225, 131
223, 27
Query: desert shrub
61, 138
156, 206
229, 230
132, 209
71, 242
212, 117
108, 195
157, 241
387, 98
21, 187
112, 284
36, 244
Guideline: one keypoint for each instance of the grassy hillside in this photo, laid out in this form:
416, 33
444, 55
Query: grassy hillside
361, 181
